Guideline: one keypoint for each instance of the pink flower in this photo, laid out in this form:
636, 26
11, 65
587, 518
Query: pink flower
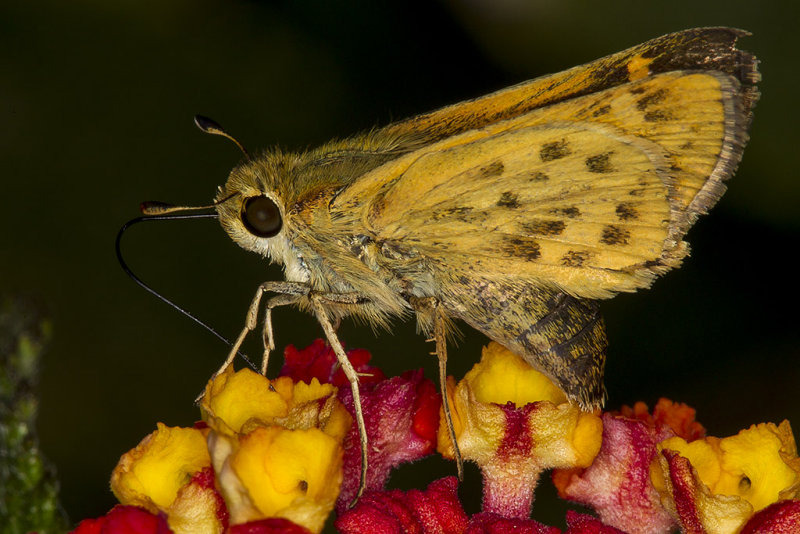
488, 523
617, 484
401, 415
435, 510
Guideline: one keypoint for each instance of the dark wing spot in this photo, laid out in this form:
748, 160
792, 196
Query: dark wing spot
626, 211
544, 228
527, 249
554, 150
688, 145
638, 90
656, 97
614, 235
495, 168
636, 192
538, 176
458, 212
602, 110
575, 258
658, 115
508, 200
571, 212
600, 163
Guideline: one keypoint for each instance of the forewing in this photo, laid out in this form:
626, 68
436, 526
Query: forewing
592, 194
551, 203
683, 100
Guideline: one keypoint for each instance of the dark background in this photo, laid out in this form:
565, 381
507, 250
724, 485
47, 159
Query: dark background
96, 102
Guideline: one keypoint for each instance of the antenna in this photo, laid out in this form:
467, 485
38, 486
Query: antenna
210, 126
158, 208
155, 206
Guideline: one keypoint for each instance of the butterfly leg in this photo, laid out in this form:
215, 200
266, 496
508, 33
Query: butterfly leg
440, 337
429, 310
267, 334
318, 301
295, 290
290, 294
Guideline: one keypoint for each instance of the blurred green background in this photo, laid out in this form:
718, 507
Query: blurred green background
96, 104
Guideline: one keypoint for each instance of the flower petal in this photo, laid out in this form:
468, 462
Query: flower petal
124, 520
434, 510
678, 416
400, 414
617, 484
276, 472
585, 524
151, 474
272, 525
513, 443
782, 517
198, 507
319, 361
488, 523
719, 483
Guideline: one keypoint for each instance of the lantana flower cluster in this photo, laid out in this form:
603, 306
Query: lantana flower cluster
282, 455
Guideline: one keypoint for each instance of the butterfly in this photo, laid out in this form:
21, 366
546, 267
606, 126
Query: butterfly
515, 212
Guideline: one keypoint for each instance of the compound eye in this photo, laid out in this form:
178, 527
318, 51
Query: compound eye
261, 216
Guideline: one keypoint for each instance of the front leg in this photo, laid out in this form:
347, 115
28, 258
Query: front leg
288, 293
318, 302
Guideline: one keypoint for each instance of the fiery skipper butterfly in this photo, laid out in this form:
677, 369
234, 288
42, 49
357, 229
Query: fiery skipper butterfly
514, 212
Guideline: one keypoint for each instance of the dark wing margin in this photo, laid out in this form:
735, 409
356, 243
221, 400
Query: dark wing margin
698, 49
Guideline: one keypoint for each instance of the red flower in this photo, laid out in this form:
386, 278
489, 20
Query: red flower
125, 520
782, 517
434, 510
272, 525
488, 523
319, 361
678, 416
586, 524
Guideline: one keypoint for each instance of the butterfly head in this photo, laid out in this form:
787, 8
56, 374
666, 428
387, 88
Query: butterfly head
251, 209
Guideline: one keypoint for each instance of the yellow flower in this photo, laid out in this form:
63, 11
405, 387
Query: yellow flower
236, 402
729, 479
514, 423
503, 377
151, 474
275, 472
276, 446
